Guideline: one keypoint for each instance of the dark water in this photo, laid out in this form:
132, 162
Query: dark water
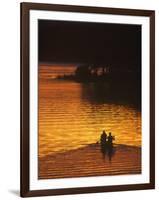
89, 161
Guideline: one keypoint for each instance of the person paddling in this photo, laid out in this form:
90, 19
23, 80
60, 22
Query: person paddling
103, 138
110, 139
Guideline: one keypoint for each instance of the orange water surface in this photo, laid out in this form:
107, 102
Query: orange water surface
68, 119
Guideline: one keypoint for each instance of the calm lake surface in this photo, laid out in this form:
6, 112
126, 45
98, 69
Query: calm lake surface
72, 117
69, 120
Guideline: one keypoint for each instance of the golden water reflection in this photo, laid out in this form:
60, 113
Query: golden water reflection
69, 121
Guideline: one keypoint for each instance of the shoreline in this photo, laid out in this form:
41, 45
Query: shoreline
91, 161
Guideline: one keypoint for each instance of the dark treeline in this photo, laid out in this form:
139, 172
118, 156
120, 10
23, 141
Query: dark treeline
107, 84
102, 73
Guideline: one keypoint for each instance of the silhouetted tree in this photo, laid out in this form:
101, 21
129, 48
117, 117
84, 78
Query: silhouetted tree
83, 72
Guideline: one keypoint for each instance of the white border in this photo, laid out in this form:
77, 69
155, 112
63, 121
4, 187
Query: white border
36, 184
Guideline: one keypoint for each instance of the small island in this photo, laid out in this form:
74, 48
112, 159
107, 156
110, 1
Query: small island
102, 73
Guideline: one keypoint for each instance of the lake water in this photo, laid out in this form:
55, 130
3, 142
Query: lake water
68, 119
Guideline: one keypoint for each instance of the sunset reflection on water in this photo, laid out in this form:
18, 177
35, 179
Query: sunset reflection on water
68, 120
